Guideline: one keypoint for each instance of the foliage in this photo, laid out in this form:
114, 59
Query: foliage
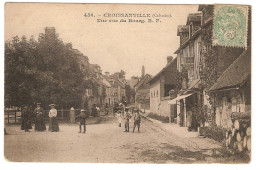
45, 71
163, 119
208, 73
213, 132
181, 76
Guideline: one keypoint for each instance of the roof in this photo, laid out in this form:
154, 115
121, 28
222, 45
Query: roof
193, 84
105, 82
193, 17
201, 7
236, 74
158, 74
194, 36
139, 83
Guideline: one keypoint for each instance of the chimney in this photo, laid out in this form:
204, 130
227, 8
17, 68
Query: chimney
143, 71
107, 73
50, 32
169, 59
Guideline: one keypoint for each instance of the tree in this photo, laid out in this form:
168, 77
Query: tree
45, 71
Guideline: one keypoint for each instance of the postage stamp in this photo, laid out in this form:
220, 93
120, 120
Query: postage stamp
230, 25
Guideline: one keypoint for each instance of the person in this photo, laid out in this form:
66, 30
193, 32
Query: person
189, 120
94, 110
106, 111
82, 116
26, 119
137, 120
53, 126
98, 110
119, 118
127, 116
39, 120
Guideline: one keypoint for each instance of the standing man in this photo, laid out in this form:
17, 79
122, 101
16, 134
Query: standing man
137, 120
127, 116
39, 120
54, 127
82, 122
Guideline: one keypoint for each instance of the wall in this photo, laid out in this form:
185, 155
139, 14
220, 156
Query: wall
154, 98
164, 109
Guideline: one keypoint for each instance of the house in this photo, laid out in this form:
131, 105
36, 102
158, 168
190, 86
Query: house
160, 86
232, 91
199, 65
117, 90
189, 98
142, 93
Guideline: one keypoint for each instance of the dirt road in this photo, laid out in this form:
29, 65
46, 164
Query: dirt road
105, 142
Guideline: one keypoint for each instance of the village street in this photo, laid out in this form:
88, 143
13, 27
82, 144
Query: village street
105, 142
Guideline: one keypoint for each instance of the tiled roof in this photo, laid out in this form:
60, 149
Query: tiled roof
147, 76
162, 71
236, 73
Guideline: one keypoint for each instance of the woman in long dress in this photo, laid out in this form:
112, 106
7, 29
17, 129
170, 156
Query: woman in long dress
26, 119
119, 118
39, 119
53, 126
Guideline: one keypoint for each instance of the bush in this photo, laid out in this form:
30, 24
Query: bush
164, 119
213, 132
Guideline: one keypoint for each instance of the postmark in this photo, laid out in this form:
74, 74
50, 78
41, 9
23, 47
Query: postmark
230, 25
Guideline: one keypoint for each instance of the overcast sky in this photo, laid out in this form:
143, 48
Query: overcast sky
114, 46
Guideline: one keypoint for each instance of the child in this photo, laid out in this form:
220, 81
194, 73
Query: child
82, 116
137, 121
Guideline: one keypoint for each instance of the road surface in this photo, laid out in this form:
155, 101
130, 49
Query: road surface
105, 142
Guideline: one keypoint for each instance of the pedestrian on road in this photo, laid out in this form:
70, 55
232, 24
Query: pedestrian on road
137, 120
119, 118
82, 122
26, 119
53, 126
39, 119
106, 111
127, 116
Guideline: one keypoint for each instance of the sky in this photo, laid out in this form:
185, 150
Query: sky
112, 45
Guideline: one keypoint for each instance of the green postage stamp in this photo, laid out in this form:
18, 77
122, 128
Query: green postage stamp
230, 25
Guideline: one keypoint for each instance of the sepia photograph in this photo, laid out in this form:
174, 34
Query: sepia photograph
127, 83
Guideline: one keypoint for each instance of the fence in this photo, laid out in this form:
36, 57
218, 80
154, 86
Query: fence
14, 116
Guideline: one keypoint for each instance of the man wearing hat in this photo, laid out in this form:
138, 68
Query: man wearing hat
82, 120
39, 120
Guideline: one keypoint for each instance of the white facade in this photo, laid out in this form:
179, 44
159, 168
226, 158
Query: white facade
155, 97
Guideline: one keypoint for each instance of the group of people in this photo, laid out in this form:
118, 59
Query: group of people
123, 114
37, 116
